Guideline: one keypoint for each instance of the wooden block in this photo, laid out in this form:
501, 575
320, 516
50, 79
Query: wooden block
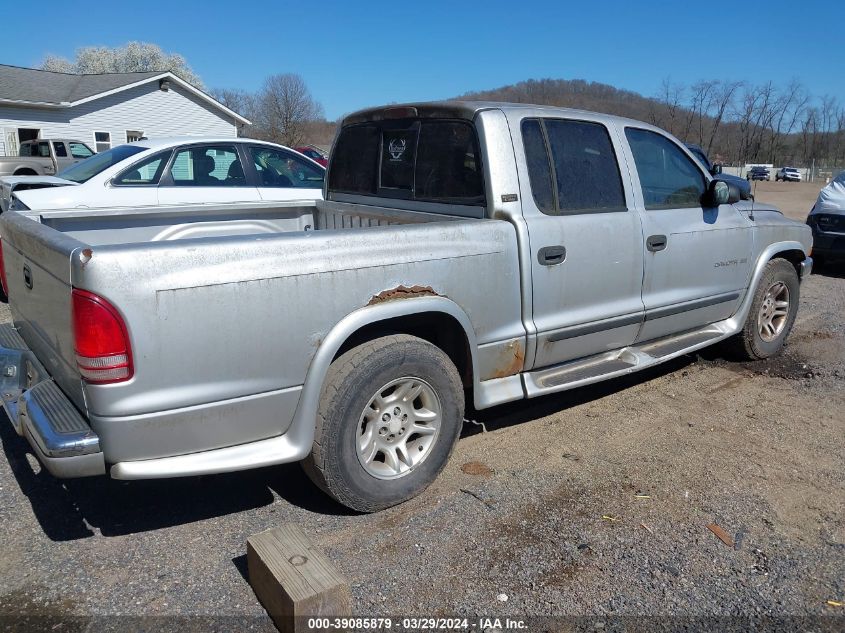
294, 580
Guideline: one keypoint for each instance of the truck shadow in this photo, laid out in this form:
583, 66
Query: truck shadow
71, 509
525, 410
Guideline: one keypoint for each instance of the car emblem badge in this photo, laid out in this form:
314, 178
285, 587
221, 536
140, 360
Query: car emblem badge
397, 148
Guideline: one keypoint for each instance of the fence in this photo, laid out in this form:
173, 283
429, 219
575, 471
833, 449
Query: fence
816, 173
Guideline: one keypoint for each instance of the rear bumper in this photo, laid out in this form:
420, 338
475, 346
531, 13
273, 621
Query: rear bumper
59, 435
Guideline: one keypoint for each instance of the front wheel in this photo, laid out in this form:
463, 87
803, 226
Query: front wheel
389, 416
772, 313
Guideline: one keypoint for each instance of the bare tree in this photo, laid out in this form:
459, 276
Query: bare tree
132, 57
722, 102
809, 132
283, 108
670, 97
755, 114
788, 107
827, 127
242, 102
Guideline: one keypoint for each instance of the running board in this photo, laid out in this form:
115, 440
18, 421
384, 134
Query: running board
586, 371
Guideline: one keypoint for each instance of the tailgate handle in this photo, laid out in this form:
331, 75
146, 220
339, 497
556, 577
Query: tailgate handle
551, 255
27, 276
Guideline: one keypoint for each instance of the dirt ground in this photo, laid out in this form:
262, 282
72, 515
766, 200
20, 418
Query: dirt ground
594, 503
794, 199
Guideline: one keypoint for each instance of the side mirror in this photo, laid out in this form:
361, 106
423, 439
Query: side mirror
720, 192
716, 169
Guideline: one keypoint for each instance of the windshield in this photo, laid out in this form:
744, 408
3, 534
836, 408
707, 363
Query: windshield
84, 170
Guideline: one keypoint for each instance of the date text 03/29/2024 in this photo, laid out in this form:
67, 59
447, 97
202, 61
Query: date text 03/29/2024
417, 624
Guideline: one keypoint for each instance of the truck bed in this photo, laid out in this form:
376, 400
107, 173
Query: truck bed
211, 295
100, 227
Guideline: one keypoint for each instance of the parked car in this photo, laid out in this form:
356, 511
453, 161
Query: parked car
757, 173
788, 173
314, 154
499, 251
44, 157
715, 170
827, 220
174, 171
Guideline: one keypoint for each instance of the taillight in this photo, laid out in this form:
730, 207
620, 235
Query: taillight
103, 354
3, 281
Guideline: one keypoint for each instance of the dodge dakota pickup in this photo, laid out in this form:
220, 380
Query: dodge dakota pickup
480, 251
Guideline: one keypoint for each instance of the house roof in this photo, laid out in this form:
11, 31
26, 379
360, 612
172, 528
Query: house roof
47, 89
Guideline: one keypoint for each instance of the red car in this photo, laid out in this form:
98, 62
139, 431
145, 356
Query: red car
314, 154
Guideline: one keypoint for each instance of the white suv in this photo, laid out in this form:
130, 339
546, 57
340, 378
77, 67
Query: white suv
788, 173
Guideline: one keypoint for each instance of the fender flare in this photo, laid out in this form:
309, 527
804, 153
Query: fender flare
737, 321
300, 433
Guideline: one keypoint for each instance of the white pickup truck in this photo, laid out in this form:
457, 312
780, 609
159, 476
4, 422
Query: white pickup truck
479, 251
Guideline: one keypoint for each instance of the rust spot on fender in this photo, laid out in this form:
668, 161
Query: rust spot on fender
85, 256
402, 292
510, 360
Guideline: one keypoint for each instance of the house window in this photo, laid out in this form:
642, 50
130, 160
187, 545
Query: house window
133, 135
102, 141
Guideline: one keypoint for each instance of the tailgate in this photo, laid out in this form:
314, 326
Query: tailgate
37, 263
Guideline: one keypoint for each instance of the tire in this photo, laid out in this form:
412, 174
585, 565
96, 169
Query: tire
369, 479
755, 341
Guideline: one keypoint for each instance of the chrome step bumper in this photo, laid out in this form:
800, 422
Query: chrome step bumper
38, 410
806, 268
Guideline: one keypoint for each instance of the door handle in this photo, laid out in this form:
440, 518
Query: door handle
656, 243
551, 255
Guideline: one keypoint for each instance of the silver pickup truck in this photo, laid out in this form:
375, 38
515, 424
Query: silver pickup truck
44, 157
488, 252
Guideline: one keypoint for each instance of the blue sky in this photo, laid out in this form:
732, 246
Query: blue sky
356, 54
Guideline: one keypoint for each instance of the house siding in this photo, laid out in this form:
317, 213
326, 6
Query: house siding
144, 108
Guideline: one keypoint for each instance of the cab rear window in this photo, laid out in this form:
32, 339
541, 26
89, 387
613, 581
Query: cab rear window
414, 159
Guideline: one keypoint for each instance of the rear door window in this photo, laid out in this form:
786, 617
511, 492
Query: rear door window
539, 166
434, 160
59, 148
207, 166
572, 167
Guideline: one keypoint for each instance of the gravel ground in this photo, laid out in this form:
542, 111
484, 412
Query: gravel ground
589, 503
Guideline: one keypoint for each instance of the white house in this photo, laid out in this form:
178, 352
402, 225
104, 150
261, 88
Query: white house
105, 110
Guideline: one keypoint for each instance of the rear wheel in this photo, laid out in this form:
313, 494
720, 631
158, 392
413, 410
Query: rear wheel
389, 417
772, 313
